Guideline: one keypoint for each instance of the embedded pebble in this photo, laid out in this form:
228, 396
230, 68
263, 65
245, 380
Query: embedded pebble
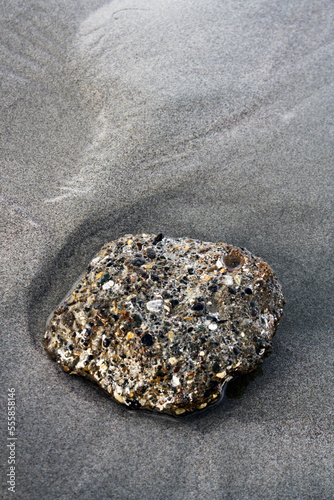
154, 305
163, 324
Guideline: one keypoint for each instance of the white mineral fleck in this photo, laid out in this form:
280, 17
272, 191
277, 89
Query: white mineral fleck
108, 285
154, 305
228, 280
237, 279
81, 318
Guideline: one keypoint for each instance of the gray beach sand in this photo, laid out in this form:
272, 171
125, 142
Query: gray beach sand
212, 120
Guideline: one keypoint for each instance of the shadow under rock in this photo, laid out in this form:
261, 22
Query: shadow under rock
156, 213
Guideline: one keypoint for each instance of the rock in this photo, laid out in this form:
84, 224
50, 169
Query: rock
168, 344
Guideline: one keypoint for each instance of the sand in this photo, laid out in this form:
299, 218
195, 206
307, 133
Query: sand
211, 120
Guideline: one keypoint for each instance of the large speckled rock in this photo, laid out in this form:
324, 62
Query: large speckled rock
163, 324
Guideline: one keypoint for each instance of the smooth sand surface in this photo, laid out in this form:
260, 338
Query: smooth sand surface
210, 119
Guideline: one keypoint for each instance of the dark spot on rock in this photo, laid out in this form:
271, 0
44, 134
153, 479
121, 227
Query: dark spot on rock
138, 261
147, 339
104, 312
198, 306
133, 404
236, 350
232, 291
210, 390
190, 270
174, 302
104, 278
106, 342
249, 291
212, 318
150, 253
215, 367
143, 273
160, 372
137, 319
213, 288
159, 237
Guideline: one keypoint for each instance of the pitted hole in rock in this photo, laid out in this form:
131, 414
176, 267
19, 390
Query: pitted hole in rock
234, 260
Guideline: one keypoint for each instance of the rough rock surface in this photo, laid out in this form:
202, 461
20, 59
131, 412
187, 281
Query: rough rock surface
163, 324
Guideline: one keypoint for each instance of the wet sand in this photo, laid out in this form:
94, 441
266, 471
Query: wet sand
209, 120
